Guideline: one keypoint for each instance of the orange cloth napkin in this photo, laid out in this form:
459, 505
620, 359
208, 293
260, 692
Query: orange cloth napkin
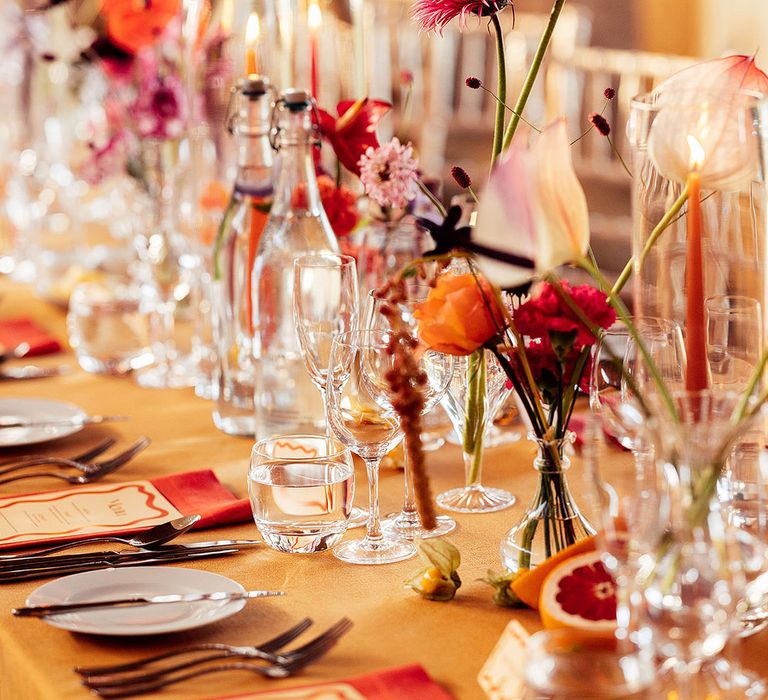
390, 684
23, 330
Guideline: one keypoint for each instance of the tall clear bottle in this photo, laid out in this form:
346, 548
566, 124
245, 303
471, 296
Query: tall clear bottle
285, 400
234, 255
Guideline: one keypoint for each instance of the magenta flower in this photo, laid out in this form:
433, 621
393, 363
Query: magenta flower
159, 109
389, 174
434, 15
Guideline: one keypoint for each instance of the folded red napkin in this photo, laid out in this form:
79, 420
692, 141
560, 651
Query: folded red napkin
23, 330
113, 509
390, 684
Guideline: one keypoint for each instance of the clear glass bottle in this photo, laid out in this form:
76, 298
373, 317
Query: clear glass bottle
285, 400
234, 255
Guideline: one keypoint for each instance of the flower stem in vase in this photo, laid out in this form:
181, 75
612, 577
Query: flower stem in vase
474, 421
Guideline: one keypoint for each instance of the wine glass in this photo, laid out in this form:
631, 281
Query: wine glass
734, 340
620, 376
325, 303
439, 370
473, 497
361, 416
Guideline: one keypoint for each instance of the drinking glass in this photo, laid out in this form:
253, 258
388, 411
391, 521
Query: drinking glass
325, 303
361, 416
108, 328
734, 339
565, 665
301, 489
439, 369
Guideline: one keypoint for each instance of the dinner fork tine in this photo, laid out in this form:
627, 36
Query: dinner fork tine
35, 459
273, 671
285, 660
101, 470
267, 647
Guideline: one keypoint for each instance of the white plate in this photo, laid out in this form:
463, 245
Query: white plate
12, 410
107, 584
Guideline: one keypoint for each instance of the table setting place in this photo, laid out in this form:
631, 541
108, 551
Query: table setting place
307, 392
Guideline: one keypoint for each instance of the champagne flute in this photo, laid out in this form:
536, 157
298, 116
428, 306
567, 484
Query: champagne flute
325, 303
361, 416
439, 370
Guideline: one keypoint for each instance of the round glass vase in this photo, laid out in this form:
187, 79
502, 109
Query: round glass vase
552, 520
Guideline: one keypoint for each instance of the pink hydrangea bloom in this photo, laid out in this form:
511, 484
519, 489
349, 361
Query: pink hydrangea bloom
434, 15
389, 174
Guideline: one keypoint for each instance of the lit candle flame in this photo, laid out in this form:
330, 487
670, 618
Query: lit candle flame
697, 152
252, 30
314, 16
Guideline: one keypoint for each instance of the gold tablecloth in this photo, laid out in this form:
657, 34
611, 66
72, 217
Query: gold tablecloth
393, 626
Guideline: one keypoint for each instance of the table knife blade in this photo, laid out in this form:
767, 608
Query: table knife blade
58, 609
42, 561
66, 422
135, 559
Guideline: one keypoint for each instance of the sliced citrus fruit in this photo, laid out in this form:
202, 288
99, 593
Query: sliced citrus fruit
527, 586
581, 594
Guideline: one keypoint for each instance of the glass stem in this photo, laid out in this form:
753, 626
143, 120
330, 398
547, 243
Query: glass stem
167, 327
409, 512
324, 398
374, 520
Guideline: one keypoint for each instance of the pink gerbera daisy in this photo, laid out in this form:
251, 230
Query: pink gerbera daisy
434, 15
390, 174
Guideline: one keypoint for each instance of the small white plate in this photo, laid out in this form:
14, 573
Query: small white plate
12, 410
108, 584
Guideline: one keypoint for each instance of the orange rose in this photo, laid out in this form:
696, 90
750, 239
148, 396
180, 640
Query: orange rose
456, 316
133, 24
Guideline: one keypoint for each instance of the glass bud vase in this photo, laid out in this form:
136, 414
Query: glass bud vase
552, 521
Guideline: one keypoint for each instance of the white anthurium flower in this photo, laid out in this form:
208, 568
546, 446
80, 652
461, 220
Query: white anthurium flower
533, 214
708, 104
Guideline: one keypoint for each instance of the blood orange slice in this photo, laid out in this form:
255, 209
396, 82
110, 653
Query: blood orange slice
579, 593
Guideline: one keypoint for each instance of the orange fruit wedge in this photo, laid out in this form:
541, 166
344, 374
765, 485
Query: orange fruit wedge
579, 594
527, 586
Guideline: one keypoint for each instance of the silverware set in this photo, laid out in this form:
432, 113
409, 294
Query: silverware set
89, 470
267, 659
27, 371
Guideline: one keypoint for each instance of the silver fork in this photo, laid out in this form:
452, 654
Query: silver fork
92, 471
288, 664
23, 460
266, 649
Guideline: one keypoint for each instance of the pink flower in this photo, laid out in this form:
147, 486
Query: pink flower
533, 213
434, 15
105, 160
159, 109
389, 174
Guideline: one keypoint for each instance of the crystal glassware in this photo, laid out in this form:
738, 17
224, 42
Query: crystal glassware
439, 370
301, 489
362, 418
325, 304
108, 328
284, 400
478, 373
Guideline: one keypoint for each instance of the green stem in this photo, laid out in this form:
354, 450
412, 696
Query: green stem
533, 72
219, 242
474, 412
498, 129
657, 231
438, 204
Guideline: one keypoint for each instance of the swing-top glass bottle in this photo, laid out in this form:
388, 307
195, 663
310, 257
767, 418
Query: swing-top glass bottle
234, 255
285, 400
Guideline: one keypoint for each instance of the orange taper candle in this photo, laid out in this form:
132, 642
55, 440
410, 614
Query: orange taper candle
252, 31
697, 370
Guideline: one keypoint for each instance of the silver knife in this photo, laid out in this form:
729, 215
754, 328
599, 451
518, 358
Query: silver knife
33, 372
46, 561
74, 422
136, 559
45, 610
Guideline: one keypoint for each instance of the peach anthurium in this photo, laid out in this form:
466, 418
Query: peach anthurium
533, 214
708, 103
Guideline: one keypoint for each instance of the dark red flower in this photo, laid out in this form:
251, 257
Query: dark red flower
474, 83
609, 93
354, 130
461, 177
600, 123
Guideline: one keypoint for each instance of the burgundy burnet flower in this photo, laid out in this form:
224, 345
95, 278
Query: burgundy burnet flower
600, 123
434, 15
473, 83
461, 177
609, 93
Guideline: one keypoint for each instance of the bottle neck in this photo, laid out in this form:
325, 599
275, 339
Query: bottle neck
255, 158
296, 189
